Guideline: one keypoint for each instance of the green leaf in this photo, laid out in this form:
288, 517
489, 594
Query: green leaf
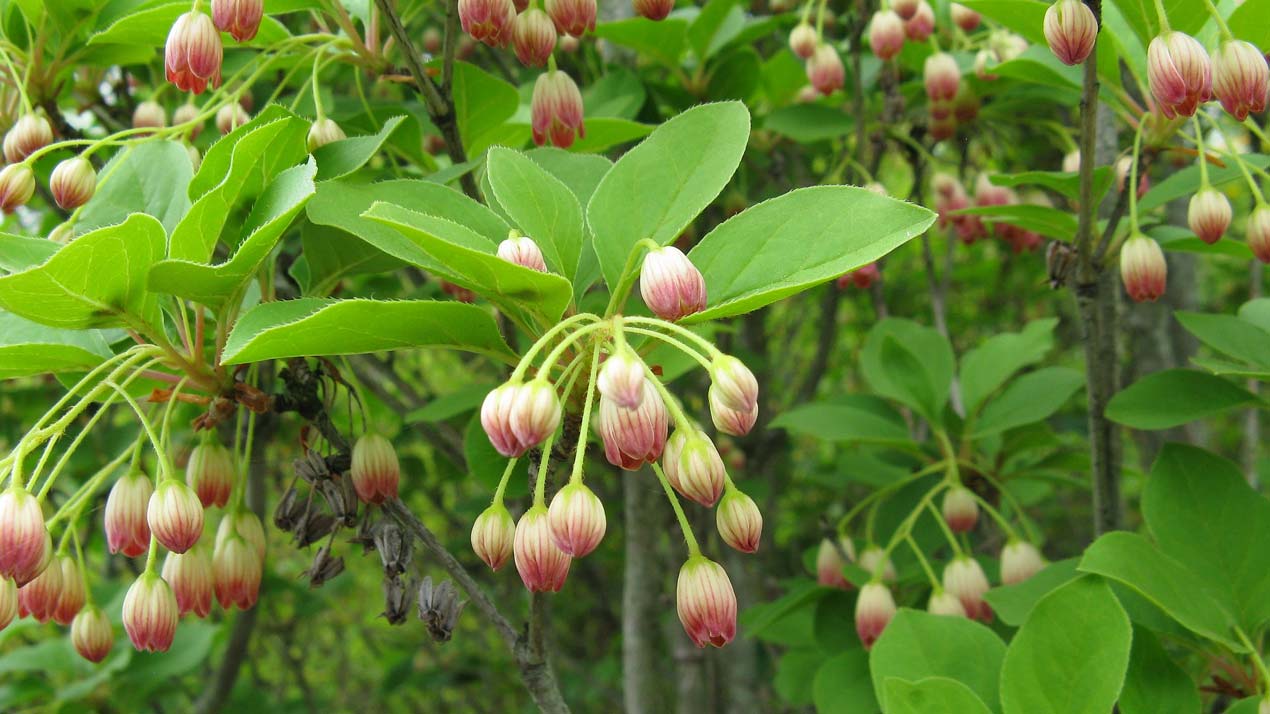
843, 422
149, 28
1187, 16
273, 213
916, 645
1025, 17
1031, 398
985, 368
1232, 335
1255, 311
735, 75
1162, 400
1047, 221
788, 244
1184, 182
1155, 684
331, 254
1251, 22
540, 205
146, 178
617, 93
448, 406
482, 103
809, 123
1067, 184
1203, 513
340, 158
28, 348
96, 281
933, 695
1013, 603
663, 42
19, 253
604, 133
929, 379
706, 25
313, 326
1071, 654
657, 188
842, 684
485, 464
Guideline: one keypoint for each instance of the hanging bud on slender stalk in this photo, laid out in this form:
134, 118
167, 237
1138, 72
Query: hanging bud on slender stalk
92, 634
672, 287
127, 530
873, 612
246, 524
533, 37
230, 117
240, 18
375, 471
324, 131
919, 27
38, 598
536, 413
189, 574
829, 562
905, 9
1143, 268
522, 251
572, 17
878, 564
633, 437
655, 10
734, 382
1020, 560
622, 379
803, 40
496, 419
985, 60
739, 521
693, 467
17, 185
73, 183
965, 580
965, 18
543, 567
187, 114
1241, 78
149, 114
1258, 232
236, 573
556, 110
942, 77
8, 601
211, 472
487, 21
577, 520
943, 602
706, 602
175, 516
73, 593
1070, 30
30, 133
960, 509
493, 535
886, 34
1178, 73
825, 70
150, 613
1209, 214
730, 421
24, 541
193, 53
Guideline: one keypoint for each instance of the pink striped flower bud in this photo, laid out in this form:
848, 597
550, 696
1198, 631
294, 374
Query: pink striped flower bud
38, 598
149, 115
1143, 268
73, 183
533, 37
572, 17
493, 535
706, 602
127, 530
536, 413
672, 287
965, 580
236, 573
919, 27
27, 576
1258, 232
829, 563
324, 131
92, 634
488, 21
24, 541
653, 9
739, 521
150, 613
240, 18
543, 567
556, 110
375, 471
878, 564
965, 18
577, 520
522, 251
1178, 73
211, 472
8, 601
728, 420
942, 77
189, 574
734, 382
193, 54
945, 603
1209, 215
803, 40
1020, 560
74, 592
1241, 78
633, 437
175, 516
825, 70
246, 524
693, 467
985, 60
622, 379
1071, 30
961, 511
17, 185
30, 133
886, 34
873, 612
905, 9
496, 419
230, 117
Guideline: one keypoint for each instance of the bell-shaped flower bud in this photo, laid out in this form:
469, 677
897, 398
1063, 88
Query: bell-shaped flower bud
1178, 73
30, 133
1258, 232
1241, 78
905, 9
324, 131
653, 9
1071, 30
633, 437
127, 530
943, 602
522, 251
543, 567
572, 17
739, 521
24, 541
175, 515
965, 104
236, 573
150, 613
919, 27
728, 420
149, 115
622, 379
496, 419
211, 472
188, 114
74, 591
829, 562
493, 535
706, 602
734, 382
1209, 214
189, 574
246, 524
825, 70
17, 185
672, 287
38, 598
8, 601
1143, 268
941, 76
990, 194
193, 53
92, 634
693, 466
533, 37
73, 183
46, 558
240, 18
375, 472
873, 612
874, 560
577, 520
804, 39
886, 34
965, 18
1020, 560
964, 579
536, 413
985, 60
961, 510
556, 110
487, 21
230, 117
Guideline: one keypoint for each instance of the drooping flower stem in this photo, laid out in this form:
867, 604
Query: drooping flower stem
502, 482
629, 272
689, 539
580, 452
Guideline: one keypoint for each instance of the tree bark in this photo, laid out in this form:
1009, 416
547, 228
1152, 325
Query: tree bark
640, 688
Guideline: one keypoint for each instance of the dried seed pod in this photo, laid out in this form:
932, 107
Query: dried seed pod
393, 547
325, 566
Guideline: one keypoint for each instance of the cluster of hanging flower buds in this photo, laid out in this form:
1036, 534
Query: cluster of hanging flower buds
594, 362
951, 198
958, 592
194, 51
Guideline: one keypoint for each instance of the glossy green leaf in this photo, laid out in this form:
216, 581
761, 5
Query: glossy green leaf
20, 252
1232, 335
1155, 684
843, 422
604, 133
340, 158
926, 378
706, 25
1044, 220
842, 684
1257, 312
31, 348
1067, 184
619, 92
663, 41
313, 326
1031, 398
985, 368
482, 103
1025, 17
916, 645
146, 178
1184, 182
1162, 400
809, 123
932, 695
540, 206
1013, 603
